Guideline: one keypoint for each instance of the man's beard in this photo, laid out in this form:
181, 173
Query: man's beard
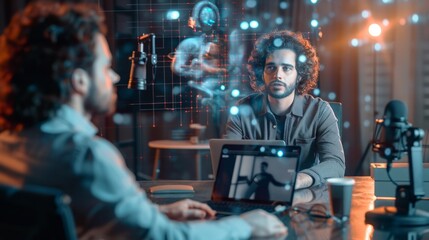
96, 104
277, 94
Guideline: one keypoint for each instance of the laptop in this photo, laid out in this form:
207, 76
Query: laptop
255, 176
217, 144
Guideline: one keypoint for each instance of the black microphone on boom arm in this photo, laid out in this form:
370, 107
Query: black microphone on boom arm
397, 138
138, 71
390, 142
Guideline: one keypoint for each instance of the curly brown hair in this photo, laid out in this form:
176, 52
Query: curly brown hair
41, 48
307, 66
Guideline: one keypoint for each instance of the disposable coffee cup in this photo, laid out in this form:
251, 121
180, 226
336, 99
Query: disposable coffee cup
197, 133
340, 195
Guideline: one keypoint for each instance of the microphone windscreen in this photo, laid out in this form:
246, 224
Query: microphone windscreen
396, 111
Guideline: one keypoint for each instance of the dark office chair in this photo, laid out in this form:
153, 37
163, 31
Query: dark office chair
35, 213
337, 107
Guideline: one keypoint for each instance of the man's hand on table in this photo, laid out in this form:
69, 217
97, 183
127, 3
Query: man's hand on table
303, 180
264, 225
187, 210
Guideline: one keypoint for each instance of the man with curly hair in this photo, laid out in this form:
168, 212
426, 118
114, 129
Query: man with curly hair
55, 74
283, 68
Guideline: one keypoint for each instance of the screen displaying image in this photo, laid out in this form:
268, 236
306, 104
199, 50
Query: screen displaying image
261, 174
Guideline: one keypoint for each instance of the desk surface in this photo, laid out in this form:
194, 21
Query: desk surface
178, 144
362, 201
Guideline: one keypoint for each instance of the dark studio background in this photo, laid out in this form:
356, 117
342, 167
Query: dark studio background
363, 79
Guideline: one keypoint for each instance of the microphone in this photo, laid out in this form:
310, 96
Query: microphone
138, 60
393, 142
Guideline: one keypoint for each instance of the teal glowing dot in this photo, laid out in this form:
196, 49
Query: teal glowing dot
314, 23
222, 87
354, 42
262, 149
234, 110
284, 5
415, 18
365, 13
302, 58
173, 15
280, 153
254, 122
254, 24
346, 124
278, 42
244, 25
235, 93
377, 47
316, 92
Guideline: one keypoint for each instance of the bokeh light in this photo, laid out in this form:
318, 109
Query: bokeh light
235, 93
374, 30
244, 25
314, 23
284, 5
365, 14
233, 110
316, 92
173, 15
354, 42
254, 24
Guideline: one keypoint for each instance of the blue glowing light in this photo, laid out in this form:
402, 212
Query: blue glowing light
316, 92
415, 18
173, 15
254, 24
346, 124
354, 42
222, 87
244, 25
284, 5
313, 1
277, 42
234, 110
365, 13
280, 153
302, 58
262, 149
251, 3
235, 93
314, 23
377, 47
332, 96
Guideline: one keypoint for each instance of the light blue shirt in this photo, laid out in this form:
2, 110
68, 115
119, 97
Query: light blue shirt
107, 203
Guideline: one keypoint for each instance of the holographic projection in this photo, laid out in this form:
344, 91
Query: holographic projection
201, 49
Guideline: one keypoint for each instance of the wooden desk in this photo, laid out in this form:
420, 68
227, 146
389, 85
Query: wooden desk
177, 145
362, 201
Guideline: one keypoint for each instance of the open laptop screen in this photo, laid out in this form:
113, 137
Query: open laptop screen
258, 173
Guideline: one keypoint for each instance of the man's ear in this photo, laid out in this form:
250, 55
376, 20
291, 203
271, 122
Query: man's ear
80, 81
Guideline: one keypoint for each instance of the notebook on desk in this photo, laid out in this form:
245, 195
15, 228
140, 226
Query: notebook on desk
254, 176
217, 144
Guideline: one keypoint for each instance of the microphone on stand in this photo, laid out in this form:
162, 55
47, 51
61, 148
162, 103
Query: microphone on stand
138, 71
399, 137
391, 144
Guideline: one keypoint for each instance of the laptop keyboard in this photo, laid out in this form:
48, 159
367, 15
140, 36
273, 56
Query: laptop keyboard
236, 208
